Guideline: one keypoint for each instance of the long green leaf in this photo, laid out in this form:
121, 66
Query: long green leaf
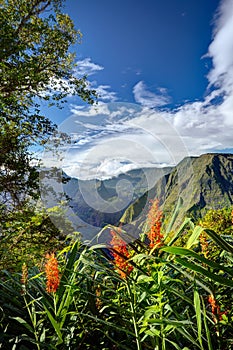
187, 222
216, 237
188, 336
191, 277
174, 216
191, 253
197, 306
176, 346
205, 272
221, 242
68, 269
165, 321
208, 335
55, 325
107, 323
193, 239
23, 322
179, 294
64, 305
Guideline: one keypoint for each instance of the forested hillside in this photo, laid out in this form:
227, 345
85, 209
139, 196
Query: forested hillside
202, 183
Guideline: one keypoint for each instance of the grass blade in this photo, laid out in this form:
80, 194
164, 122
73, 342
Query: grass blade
197, 306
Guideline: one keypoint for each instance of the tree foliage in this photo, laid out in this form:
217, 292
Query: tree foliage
219, 220
35, 57
29, 234
35, 64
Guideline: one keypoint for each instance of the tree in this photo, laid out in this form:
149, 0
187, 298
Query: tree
219, 220
29, 234
35, 64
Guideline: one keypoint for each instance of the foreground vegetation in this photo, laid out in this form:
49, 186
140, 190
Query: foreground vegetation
149, 294
166, 290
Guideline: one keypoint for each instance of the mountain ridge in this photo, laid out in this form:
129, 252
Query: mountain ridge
204, 182
102, 202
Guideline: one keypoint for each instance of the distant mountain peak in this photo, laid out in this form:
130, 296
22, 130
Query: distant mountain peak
202, 182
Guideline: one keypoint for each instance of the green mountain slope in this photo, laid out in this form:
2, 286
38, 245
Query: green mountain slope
202, 182
102, 202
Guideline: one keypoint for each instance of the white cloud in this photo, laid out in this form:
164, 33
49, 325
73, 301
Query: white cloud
208, 125
87, 67
101, 108
104, 94
221, 48
150, 99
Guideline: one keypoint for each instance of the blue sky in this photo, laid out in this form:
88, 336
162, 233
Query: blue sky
164, 71
159, 42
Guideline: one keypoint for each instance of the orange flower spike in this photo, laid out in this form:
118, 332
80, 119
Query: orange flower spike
52, 273
215, 309
204, 245
212, 303
155, 222
120, 254
24, 278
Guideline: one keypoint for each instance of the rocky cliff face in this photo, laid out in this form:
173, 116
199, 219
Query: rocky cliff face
102, 202
202, 182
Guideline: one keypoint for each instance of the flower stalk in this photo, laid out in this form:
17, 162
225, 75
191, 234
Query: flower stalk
120, 254
154, 220
52, 273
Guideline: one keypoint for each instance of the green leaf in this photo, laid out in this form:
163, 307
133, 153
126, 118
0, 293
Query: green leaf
43, 336
144, 279
55, 325
23, 322
197, 306
193, 239
179, 294
191, 277
176, 346
174, 216
165, 321
187, 222
208, 333
191, 253
112, 325
221, 243
188, 336
69, 267
205, 272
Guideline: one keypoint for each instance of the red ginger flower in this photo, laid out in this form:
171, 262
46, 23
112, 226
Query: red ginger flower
155, 222
213, 304
52, 273
120, 254
215, 308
